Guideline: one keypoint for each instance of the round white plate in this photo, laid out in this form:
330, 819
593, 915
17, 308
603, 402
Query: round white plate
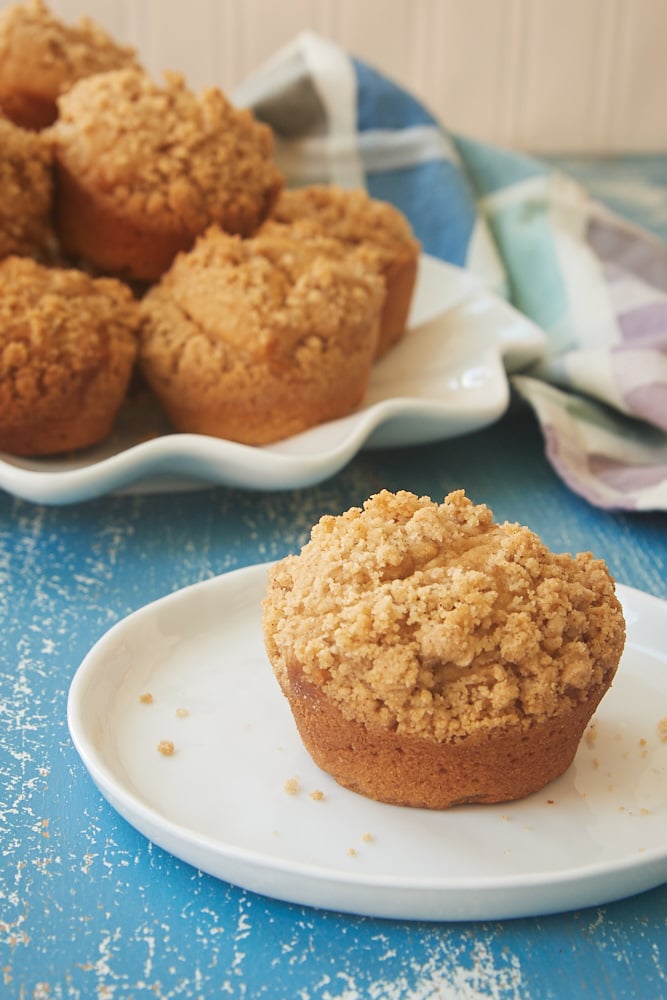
220, 801
447, 377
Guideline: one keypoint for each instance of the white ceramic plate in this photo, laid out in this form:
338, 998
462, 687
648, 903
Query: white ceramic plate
447, 377
219, 802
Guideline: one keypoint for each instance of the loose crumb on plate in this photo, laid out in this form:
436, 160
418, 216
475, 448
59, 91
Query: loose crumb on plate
317, 795
182, 713
146, 698
367, 838
662, 730
166, 748
292, 786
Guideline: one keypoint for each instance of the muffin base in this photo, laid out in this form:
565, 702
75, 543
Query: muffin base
400, 279
91, 231
486, 767
261, 411
85, 419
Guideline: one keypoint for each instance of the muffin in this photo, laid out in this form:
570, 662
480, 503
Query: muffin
258, 339
433, 657
26, 193
355, 218
67, 349
143, 169
40, 58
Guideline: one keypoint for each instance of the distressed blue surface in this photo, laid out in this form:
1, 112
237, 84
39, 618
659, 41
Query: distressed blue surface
89, 909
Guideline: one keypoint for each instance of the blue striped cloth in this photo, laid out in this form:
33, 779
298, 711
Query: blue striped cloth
593, 281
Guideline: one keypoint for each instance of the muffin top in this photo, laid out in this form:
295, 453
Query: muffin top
26, 190
432, 620
43, 56
349, 215
165, 153
57, 327
275, 297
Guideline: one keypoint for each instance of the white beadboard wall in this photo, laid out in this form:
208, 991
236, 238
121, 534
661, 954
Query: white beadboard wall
550, 76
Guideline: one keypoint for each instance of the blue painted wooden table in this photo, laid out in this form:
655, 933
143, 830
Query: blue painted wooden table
90, 909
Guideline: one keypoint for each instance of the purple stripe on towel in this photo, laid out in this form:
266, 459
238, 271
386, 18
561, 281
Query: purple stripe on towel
649, 402
627, 479
573, 467
587, 474
646, 326
640, 255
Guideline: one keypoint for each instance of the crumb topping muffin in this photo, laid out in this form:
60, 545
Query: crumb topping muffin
40, 57
67, 349
26, 192
429, 628
257, 339
357, 219
155, 165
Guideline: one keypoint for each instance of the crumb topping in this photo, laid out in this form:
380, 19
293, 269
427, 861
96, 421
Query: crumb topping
274, 298
348, 215
165, 153
57, 328
26, 190
431, 619
46, 56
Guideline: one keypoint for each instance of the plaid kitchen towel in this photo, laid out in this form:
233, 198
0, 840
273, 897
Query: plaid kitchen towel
597, 284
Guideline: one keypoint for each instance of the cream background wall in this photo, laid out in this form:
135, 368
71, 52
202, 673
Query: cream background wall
542, 75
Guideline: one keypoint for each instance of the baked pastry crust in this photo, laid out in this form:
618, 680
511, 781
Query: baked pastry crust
143, 169
40, 58
255, 340
67, 350
356, 219
431, 656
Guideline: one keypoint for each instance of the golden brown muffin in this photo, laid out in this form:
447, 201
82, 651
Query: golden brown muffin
67, 349
40, 58
432, 657
143, 169
26, 193
255, 340
357, 219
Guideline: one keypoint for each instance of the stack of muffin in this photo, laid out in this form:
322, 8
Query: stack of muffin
146, 227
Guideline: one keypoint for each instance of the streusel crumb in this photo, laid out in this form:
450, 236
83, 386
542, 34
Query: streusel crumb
26, 191
348, 215
258, 339
40, 57
165, 153
58, 328
430, 619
